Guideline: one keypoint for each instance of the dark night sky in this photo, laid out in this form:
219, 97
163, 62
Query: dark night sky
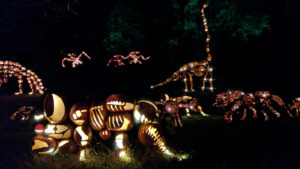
267, 62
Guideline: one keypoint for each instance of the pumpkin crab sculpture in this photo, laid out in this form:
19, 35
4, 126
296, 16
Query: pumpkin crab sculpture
113, 115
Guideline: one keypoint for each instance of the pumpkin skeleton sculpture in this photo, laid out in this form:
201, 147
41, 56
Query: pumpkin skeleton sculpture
9, 69
235, 100
199, 69
112, 116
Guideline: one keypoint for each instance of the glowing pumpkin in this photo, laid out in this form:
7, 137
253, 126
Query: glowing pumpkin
83, 135
145, 111
43, 145
55, 110
150, 134
67, 146
121, 140
85, 154
118, 103
98, 115
39, 129
79, 113
59, 131
105, 134
119, 121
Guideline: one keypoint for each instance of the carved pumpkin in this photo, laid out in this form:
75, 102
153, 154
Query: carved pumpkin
67, 146
59, 131
79, 113
150, 134
121, 140
85, 154
119, 121
118, 103
39, 129
98, 115
54, 107
43, 145
145, 111
83, 135
105, 134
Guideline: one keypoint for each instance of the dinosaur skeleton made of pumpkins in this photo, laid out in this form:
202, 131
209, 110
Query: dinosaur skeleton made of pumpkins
114, 115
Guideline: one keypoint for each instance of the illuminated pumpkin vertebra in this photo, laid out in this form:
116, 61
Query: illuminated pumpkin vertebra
119, 121
59, 131
118, 103
67, 146
39, 129
79, 113
145, 111
98, 115
43, 145
83, 135
54, 107
121, 140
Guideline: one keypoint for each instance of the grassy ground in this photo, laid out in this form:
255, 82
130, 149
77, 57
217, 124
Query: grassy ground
210, 142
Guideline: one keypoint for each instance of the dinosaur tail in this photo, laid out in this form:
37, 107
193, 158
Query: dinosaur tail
174, 77
209, 57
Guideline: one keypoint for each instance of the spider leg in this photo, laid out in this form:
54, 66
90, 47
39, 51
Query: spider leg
179, 120
265, 115
201, 111
281, 103
254, 112
63, 62
228, 117
244, 114
175, 121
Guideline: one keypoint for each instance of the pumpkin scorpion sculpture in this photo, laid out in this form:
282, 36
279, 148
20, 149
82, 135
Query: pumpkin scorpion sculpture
235, 100
9, 69
113, 115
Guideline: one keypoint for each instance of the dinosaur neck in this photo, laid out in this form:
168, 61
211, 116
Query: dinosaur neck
209, 57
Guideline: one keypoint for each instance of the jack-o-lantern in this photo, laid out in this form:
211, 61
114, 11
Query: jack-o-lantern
43, 145
120, 121
98, 115
59, 131
67, 146
145, 111
121, 140
118, 103
39, 129
105, 134
55, 109
150, 134
79, 113
85, 154
83, 135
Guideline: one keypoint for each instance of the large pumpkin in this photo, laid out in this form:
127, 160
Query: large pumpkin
98, 115
83, 135
150, 134
120, 121
59, 131
43, 145
79, 113
119, 103
145, 111
67, 146
55, 109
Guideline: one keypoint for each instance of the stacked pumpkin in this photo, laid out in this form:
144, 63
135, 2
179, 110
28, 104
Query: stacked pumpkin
112, 116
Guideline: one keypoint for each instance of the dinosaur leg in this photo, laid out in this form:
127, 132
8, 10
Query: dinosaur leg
265, 115
211, 80
201, 111
178, 119
187, 110
191, 82
175, 121
185, 83
204, 81
254, 112
20, 85
244, 115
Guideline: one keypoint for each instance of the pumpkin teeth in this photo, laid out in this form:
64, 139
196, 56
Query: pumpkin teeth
120, 103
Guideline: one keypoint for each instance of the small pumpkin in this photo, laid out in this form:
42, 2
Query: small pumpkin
79, 113
83, 135
120, 121
59, 131
105, 134
119, 103
67, 146
43, 145
98, 115
55, 109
